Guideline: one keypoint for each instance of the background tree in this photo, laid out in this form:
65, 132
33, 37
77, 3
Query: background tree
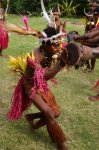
33, 6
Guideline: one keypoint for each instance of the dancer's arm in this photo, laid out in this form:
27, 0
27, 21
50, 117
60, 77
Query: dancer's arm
89, 35
91, 42
52, 72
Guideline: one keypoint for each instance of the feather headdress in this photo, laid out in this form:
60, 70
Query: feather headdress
50, 18
25, 20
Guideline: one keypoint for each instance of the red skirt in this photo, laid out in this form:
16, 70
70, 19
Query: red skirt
3, 36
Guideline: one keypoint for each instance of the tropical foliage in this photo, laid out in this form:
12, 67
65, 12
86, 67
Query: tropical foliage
33, 6
68, 7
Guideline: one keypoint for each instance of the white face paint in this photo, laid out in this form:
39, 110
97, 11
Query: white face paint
92, 23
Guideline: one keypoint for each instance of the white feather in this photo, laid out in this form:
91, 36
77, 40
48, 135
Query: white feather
52, 18
46, 16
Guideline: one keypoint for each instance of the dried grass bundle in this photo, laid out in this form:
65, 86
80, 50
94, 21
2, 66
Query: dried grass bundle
16, 29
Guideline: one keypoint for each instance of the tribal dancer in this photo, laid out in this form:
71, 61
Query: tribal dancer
3, 32
57, 14
35, 70
87, 52
92, 19
54, 15
88, 40
33, 88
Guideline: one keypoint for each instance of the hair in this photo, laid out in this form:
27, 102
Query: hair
50, 31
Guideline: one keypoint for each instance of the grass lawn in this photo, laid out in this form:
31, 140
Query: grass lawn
79, 117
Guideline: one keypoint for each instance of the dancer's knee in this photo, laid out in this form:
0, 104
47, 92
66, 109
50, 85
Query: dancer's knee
49, 114
57, 114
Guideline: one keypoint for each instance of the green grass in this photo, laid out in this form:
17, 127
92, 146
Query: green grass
79, 117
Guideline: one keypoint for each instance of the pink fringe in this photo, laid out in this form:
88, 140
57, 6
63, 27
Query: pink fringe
33, 63
39, 81
20, 102
3, 36
39, 77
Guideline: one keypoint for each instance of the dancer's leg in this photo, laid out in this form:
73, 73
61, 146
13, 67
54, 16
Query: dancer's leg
30, 118
53, 128
93, 61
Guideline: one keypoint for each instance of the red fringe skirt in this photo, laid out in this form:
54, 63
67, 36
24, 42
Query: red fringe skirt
21, 102
3, 36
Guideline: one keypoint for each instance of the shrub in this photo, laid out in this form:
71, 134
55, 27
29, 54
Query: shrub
68, 7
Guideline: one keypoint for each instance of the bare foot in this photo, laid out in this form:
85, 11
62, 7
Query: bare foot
94, 98
62, 146
86, 70
91, 71
30, 121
